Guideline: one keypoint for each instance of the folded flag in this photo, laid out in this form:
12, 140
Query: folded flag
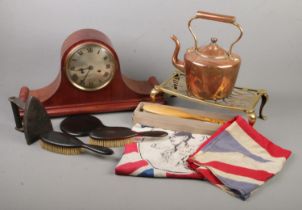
160, 157
238, 159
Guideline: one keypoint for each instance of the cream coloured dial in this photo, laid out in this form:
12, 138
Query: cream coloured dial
90, 66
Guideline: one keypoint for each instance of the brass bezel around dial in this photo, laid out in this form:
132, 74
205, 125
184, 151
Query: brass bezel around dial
104, 54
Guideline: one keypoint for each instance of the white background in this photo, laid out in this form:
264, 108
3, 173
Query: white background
31, 34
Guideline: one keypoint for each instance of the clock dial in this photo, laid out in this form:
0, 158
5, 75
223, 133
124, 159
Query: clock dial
90, 67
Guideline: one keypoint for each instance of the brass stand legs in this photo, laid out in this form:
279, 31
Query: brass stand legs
155, 91
264, 99
251, 117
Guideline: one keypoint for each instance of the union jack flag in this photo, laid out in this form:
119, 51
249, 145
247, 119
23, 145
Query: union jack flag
238, 159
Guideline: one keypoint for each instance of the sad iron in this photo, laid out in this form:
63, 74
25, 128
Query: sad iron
35, 121
36, 125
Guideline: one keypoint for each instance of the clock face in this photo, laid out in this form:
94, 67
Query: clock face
90, 66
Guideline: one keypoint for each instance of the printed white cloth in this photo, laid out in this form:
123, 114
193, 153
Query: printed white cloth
160, 157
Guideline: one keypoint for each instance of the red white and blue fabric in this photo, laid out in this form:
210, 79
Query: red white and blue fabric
238, 159
160, 157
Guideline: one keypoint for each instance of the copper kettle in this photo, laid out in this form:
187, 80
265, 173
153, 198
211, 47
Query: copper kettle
211, 71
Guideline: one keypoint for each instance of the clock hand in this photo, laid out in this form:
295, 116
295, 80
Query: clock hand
80, 69
86, 75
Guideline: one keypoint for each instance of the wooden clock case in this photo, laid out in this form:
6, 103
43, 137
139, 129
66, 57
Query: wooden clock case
61, 98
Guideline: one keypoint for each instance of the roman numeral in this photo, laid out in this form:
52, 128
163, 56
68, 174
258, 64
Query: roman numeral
89, 49
90, 85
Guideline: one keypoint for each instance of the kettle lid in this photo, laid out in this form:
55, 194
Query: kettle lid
213, 50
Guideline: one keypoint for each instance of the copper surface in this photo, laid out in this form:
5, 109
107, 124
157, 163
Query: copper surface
216, 17
211, 71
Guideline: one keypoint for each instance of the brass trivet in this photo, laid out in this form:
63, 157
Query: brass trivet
241, 99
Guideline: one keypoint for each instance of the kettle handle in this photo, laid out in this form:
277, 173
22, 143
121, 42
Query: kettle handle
218, 18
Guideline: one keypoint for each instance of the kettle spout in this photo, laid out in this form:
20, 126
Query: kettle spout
180, 65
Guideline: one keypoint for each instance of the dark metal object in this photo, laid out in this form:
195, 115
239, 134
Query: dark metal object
17, 104
64, 140
35, 121
80, 125
112, 133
